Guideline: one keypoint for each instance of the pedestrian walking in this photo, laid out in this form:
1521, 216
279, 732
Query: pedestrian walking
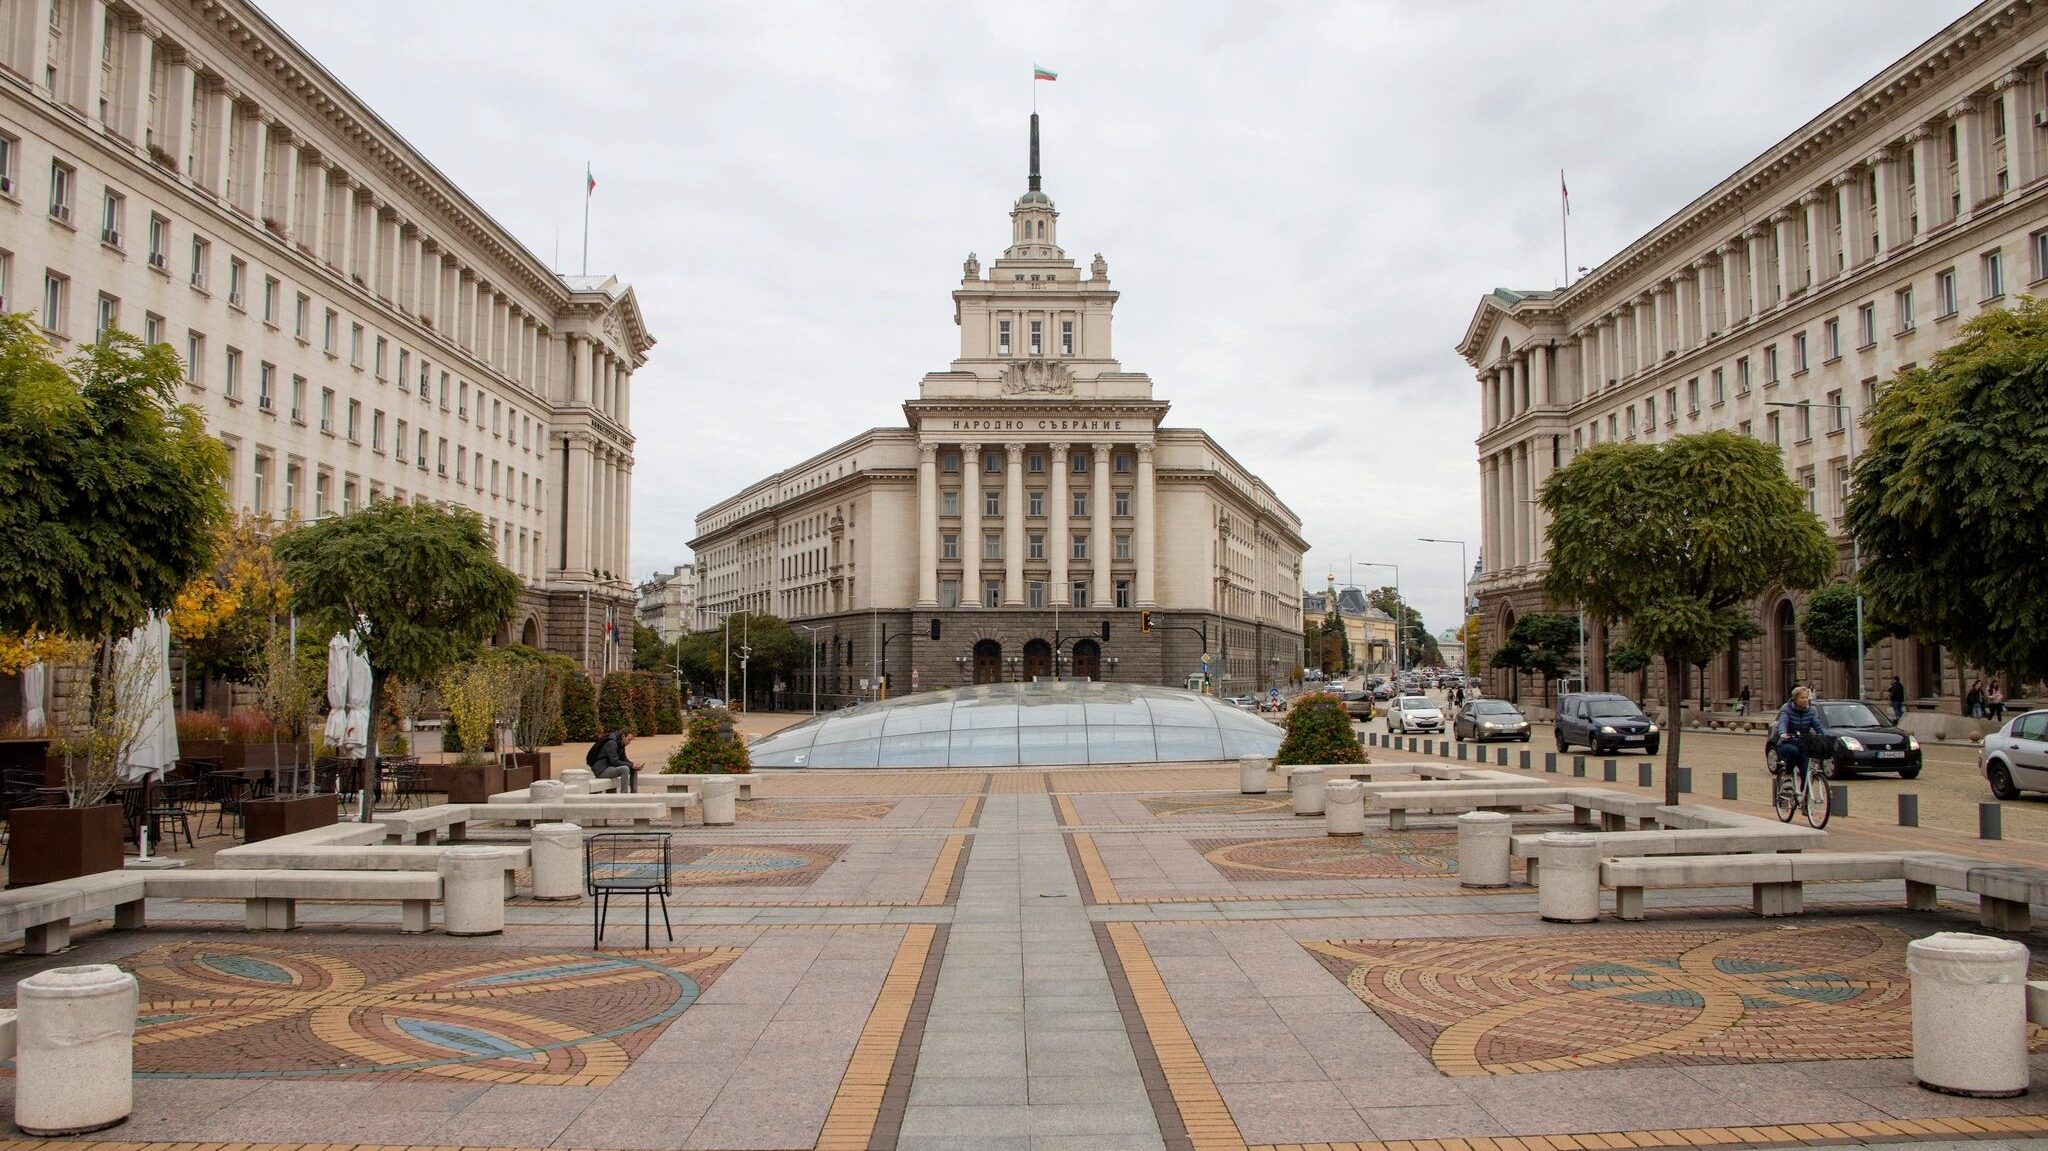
1994, 703
1973, 700
1897, 693
1742, 703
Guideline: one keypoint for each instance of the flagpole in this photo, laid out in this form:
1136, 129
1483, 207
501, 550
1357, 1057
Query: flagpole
1564, 216
586, 217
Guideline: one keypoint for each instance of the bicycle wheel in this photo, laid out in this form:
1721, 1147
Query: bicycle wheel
1819, 799
1784, 797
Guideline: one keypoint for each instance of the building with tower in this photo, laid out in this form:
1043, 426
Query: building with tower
1032, 496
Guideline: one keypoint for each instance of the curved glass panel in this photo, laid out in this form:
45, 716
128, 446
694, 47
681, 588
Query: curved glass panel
1038, 724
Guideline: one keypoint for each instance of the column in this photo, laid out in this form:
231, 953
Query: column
1759, 238
313, 229
345, 224
927, 525
1817, 268
1969, 156
2022, 156
1645, 319
219, 122
415, 300
137, 66
1849, 216
1058, 541
970, 524
1539, 470
1890, 221
250, 165
1013, 529
373, 243
1539, 375
1145, 539
1101, 531
290, 160
1730, 282
576, 507
1929, 204
1594, 359
625, 516
387, 259
177, 116
1788, 242
1521, 384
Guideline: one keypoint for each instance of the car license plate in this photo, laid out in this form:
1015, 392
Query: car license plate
1891, 755
1633, 738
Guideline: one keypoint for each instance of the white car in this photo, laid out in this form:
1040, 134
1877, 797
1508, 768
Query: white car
1412, 713
2015, 757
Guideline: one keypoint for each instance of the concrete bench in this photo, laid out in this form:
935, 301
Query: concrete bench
1776, 881
693, 782
1693, 841
43, 913
641, 813
270, 897
424, 825
674, 801
7, 1034
2004, 891
2037, 1002
1399, 804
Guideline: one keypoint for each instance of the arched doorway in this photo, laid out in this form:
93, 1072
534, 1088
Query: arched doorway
988, 662
1088, 660
530, 634
1037, 660
1785, 630
1732, 681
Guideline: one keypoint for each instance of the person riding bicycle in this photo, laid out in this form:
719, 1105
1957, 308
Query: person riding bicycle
1798, 726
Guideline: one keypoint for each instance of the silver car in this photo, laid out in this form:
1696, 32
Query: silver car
2015, 757
1412, 713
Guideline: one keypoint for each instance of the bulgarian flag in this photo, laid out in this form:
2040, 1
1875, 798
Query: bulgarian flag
1038, 73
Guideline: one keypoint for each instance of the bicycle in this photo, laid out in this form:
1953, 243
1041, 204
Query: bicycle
1807, 793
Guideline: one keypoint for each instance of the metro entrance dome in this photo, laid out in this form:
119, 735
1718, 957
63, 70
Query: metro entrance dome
1023, 724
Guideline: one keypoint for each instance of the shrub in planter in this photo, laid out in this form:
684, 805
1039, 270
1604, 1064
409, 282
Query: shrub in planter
246, 727
1319, 731
710, 747
194, 725
644, 693
579, 710
668, 707
615, 703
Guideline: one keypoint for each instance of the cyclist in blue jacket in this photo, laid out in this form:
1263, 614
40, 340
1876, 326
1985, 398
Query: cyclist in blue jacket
1795, 720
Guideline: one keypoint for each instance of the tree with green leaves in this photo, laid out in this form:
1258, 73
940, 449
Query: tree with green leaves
1319, 731
1672, 539
421, 582
649, 652
111, 495
1948, 500
1829, 623
1549, 645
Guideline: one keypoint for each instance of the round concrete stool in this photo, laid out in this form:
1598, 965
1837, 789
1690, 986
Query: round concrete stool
1569, 888
1251, 774
1969, 1014
1483, 849
576, 780
557, 861
546, 791
1307, 783
721, 801
75, 1057
1345, 800
473, 890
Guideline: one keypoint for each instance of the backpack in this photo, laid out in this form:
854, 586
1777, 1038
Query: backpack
596, 751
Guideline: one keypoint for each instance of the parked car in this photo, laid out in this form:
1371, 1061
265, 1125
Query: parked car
1604, 723
1358, 704
1484, 719
1413, 713
1863, 740
2015, 757
711, 701
1242, 702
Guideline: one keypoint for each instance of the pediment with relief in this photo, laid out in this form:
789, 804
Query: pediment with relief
1037, 378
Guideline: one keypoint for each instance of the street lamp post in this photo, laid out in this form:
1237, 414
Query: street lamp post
1464, 597
814, 664
1847, 414
1400, 610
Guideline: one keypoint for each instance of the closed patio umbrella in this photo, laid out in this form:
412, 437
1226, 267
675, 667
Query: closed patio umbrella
355, 742
34, 683
156, 743
338, 660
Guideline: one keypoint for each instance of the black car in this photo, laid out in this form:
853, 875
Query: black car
1604, 723
1861, 740
1484, 719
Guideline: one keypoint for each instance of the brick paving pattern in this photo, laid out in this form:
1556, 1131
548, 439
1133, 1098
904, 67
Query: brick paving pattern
1390, 856
1168, 807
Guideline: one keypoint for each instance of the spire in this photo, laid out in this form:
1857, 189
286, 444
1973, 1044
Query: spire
1034, 152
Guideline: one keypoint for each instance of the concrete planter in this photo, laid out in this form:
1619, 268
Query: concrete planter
52, 843
541, 763
269, 818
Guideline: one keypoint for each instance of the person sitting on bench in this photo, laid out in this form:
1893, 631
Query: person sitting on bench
607, 760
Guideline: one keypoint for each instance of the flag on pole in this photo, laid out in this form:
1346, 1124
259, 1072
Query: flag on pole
1038, 73
589, 182
1564, 191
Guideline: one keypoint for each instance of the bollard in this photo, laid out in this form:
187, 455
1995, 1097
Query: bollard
1568, 890
557, 861
1909, 809
1969, 1014
473, 890
1646, 776
1607, 772
1483, 849
1549, 761
1990, 821
74, 1062
1308, 785
1522, 761
1500, 756
1429, 747
1731, 785
576, 780
721, 800
546, 791
1463, 752
1345, 801
1838, 800
1251, 774
1684, 780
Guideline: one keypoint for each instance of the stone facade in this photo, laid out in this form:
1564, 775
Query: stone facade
1849, 250
1034, 471
354, 326
668, 602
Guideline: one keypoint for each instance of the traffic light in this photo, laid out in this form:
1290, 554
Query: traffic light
1105, 629
1144, 621
935, 627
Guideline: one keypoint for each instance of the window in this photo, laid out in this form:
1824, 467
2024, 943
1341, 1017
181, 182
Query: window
298, 399
497, 413
111, 210
1080, 463
1805, 410
266, 386
404, 370
355, 344
1038, 337
1034, 462
1902, 307
377, 430
461, 465
1834, 401
1870, 392
107, 318
949, 546
321, 483
949, 461
1081, 504
260, 493
348, 496
420, 456
1034, 504
1034, 593
327, 410
444, 391
1838, 476
1034, 548
1123, 546
2038, 242
949, 503
1671, 404
159, 243
1866, 325
378, 365
398, 441
272, 293
292, 475
1121, 463
992, 502
1066, 337
152, 328
1631, 412
1831, 339
1611, 437
232, 385
195, 359
992, 546
1650, 413
1080, 596
441, 455
1002, 337
1747, 428
238, 271
1994, 274
1945, 292
1719, 383
1806, 485
1080, 546
462, 400
1123, 593
302, 317
61, 177
1772, 430
330, 331
949, 593
991, 464
202, 262
9, 147
1692, 396
992, 593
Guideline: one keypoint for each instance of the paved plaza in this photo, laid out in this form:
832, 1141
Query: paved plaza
1117, 958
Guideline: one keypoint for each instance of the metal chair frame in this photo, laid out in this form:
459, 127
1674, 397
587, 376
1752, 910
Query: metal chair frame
168, 804
613, 850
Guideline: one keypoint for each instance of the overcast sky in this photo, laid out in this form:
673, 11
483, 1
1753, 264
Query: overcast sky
1301, 203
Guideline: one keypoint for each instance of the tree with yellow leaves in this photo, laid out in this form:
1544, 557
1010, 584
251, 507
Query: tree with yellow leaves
224, 616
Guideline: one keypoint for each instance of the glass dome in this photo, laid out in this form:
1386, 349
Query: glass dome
1023, 724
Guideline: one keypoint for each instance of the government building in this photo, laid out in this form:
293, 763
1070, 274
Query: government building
1775, 305
1031, 500
354, 326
